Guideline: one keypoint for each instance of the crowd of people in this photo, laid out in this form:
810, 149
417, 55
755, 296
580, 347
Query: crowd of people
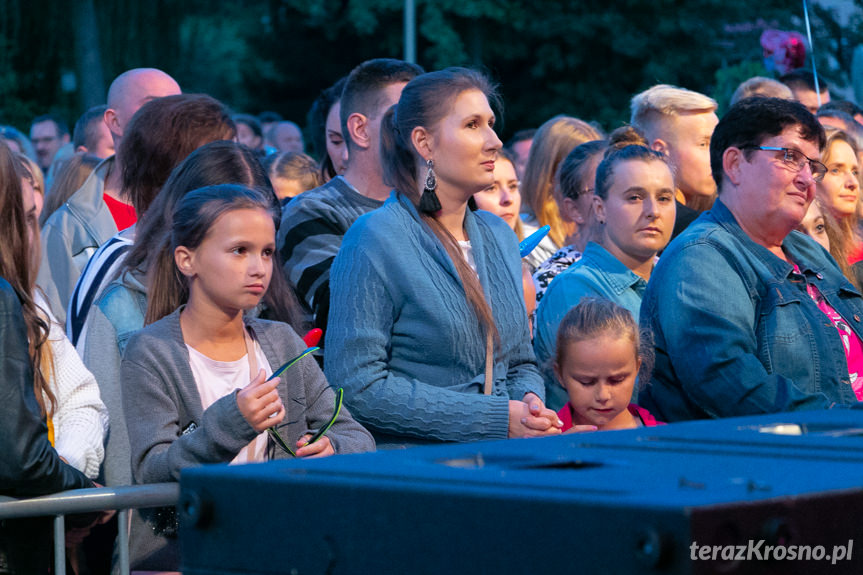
161, 265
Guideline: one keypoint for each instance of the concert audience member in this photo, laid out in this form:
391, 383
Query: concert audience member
29, 464
600, 359
845, 106
748, 316
17, 142
69, 176
553, 141
761, 86
285, 136
249, 132
428, 332
268, 119
573, 191
160, 136
325, 129
98, 210
839, 191
802, 85
91, 133
519, 147
314, 224
678, 123
503, 197
37, 180
291, 174
48, 133
198, 382
76, 417
119, 311
634, 204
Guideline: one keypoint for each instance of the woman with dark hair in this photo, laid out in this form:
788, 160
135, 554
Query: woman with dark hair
325, 128
29, 465
428, 332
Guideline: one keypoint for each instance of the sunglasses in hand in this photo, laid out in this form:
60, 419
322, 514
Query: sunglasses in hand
340, 394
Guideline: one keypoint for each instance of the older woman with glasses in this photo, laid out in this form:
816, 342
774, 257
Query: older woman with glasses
750, 316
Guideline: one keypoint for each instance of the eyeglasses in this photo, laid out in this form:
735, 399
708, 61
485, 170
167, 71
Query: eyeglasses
340, 394
795, 160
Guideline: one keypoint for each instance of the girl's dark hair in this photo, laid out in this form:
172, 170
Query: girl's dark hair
70, 176
18, 268
594, 317
161, 134
425, 101
220, 167
316, 126
614, 156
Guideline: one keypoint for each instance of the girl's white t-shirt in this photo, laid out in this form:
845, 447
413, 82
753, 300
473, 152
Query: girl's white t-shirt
216, 379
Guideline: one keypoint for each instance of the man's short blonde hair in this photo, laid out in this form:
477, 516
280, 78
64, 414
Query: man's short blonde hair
761, 86
653, 108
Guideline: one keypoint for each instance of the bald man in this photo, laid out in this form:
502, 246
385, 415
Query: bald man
98, 210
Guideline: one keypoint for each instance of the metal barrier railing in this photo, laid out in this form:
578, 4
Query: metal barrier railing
121, 499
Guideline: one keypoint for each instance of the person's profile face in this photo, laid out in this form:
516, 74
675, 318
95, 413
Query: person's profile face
689, 151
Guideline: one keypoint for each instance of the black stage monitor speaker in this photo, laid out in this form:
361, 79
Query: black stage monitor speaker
773, 494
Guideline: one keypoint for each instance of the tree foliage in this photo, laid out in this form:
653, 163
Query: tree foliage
580, 57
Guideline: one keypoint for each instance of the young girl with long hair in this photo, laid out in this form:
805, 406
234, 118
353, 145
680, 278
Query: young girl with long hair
428, 330
197, 383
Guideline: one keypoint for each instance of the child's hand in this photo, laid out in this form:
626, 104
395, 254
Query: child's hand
260, 404
320, 448
581, 429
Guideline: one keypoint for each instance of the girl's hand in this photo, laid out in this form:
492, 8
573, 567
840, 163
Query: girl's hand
523, 422
320, 448
260, 404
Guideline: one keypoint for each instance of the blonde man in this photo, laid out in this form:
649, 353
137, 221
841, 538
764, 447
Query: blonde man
679, 123
761, 86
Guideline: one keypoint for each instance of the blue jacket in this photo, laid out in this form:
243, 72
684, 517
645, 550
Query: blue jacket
736, 332
597, 273
405, 344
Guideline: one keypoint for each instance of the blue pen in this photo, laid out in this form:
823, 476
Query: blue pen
528, 244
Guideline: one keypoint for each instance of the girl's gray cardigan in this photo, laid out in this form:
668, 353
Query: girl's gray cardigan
169, 429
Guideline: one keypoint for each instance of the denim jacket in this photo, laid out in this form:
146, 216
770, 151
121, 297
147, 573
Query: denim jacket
597, 273
115, 316
736, 332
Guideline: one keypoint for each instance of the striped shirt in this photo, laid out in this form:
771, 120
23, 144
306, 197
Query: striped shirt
313, 225
102, 267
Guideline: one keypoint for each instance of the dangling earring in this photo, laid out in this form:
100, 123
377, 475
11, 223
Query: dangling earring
429, 202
